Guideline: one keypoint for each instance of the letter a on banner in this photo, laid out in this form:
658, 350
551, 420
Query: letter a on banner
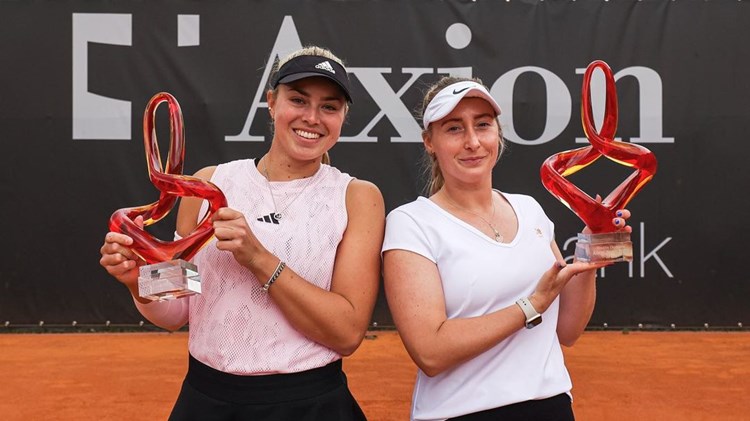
286, 42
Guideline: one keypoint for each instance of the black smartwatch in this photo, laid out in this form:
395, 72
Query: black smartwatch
533, 317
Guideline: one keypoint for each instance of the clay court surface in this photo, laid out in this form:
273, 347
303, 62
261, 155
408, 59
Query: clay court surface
136, 376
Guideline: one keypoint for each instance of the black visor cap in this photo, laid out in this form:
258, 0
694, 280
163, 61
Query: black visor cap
309, 66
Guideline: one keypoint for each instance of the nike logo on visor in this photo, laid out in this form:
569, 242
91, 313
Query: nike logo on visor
456, 92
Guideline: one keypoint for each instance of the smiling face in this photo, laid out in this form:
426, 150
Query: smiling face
308, 115
466, 142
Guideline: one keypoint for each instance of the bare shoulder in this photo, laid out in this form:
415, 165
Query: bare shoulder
205, 173
363, 189
361, 195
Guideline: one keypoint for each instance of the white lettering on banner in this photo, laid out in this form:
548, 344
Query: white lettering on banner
559, 105
652, 254
287, 41
570, 243
100, 117
188, 30
390, 104
403, 121
97, 116
650, 103
456, 71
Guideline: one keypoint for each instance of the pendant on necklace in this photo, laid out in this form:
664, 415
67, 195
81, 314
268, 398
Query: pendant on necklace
498, 236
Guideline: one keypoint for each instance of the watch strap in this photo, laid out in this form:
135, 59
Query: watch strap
533, 317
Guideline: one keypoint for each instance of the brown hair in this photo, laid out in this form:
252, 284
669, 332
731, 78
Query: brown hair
310, 50
430, 163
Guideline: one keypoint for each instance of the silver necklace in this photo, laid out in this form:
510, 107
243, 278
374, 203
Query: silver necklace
276, 213
498, 236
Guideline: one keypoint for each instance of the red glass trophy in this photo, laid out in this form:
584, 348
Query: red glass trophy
604, 243
167, 273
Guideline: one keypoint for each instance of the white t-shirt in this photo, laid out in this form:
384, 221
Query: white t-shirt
480, 276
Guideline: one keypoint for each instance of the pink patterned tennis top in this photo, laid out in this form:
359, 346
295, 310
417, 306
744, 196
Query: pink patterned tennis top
235, 326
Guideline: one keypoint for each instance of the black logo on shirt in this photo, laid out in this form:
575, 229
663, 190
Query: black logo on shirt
270, 218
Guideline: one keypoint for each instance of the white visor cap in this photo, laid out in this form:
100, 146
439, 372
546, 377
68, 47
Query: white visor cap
449, 97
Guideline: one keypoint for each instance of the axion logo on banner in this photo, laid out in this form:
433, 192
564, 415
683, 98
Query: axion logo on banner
99, 117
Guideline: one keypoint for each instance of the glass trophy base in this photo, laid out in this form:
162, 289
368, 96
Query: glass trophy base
608, 247
168, 280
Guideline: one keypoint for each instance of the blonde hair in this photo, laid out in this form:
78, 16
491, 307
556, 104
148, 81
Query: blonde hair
430, 162
310, 50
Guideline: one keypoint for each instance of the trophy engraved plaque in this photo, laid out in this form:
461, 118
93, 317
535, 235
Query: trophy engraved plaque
167, 274
604, 243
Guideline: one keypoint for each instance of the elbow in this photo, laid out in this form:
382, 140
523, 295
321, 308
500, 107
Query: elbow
169, 324
568, 332
430, 366
346, 346
568, 340
430, 358
431, 370
171, 328
346, 351
168, 315
568, 343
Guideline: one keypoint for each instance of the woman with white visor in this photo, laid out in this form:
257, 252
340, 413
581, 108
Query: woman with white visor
476, 285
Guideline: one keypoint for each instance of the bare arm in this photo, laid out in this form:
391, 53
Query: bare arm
435, 343
577, 301
578, 298
337, 318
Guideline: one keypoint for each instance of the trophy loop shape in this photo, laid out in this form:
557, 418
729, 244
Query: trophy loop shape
167, 274
605, 244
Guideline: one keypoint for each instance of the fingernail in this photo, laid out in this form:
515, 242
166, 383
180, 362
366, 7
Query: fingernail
617, 222
619, 213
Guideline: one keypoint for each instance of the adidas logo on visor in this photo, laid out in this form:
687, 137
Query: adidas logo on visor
325, 66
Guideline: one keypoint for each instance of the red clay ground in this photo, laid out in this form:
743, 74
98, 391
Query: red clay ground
686, 376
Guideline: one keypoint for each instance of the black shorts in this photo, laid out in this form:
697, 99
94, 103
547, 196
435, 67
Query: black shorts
314, 395
556, 408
